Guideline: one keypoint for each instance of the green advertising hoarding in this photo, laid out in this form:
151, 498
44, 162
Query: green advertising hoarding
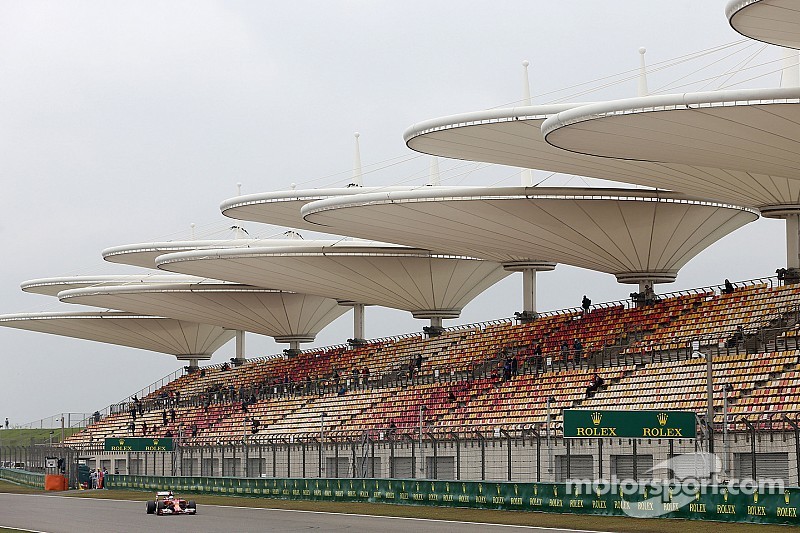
721, 503
581, 424
139, 444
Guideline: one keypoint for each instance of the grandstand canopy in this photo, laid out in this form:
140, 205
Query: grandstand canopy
185, 340
412, 279
748, 140
286, 316
513, 136
637, 235
770, 21
144, 254
282, 208
52, 286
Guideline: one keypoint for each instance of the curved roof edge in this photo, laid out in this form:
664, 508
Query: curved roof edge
486, 116
621, 194
740, 7
188, 245
232, 253
668, 102
42, 285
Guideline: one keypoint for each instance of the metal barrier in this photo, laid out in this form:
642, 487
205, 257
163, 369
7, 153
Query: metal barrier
729, 503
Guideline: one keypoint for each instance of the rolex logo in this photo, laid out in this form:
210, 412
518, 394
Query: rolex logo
596, 418
122, 442
786, 496
662, 418
755, 497
155, 442
725, 494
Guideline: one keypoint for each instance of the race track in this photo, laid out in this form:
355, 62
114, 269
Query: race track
59, 514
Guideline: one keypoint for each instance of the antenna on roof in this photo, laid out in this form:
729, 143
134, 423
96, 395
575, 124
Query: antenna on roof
526, 177
526, 85
790, 73
191, 226
356, 181
642, 90
239, 189
433, 175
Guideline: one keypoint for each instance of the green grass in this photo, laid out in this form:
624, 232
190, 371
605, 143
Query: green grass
593, 522
22, 437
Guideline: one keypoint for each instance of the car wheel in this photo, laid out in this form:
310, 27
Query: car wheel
191, 505
151, 507
159, 506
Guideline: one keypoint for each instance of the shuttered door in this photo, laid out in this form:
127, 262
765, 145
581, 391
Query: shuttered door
622, 467
768, 466
402, 467
580, 467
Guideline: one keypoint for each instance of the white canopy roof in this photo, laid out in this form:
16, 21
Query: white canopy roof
52, 286
513, 137
144, 254
744, 143
770, 21
185, 340
412, 279
286, 316
282, 208
634, 234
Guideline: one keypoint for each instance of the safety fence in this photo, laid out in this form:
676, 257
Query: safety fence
727, 503
23, 477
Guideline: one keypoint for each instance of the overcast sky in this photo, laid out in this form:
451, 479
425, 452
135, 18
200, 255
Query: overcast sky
124, 122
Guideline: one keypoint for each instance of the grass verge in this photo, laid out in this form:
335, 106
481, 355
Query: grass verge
589, 522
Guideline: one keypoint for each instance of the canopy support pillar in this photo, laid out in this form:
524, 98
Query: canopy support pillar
239, 345
528, 270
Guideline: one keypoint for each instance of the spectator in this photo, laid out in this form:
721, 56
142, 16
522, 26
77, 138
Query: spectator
728, 287
419, 362
577, 349
595, 383
172, 415
451, 397
6, 422
514, 365
131, 428
164, 417
144, 428
585, 304
565, 350
507, 369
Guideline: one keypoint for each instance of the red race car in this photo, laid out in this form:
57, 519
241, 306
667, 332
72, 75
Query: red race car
167, 503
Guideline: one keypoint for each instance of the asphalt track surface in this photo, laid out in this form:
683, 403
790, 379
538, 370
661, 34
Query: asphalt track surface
60, 514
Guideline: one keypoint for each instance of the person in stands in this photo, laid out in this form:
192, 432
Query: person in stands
577, 349
595, 383
585, 304
728, 287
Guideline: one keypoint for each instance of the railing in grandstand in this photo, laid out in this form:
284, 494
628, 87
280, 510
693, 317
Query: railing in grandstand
67, 420
483, 369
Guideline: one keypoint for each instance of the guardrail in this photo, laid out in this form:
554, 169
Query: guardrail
727, 503
22, 477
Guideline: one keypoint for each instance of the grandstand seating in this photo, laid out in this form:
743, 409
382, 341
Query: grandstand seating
460, 390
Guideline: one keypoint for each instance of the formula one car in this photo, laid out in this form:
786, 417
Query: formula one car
167, 503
